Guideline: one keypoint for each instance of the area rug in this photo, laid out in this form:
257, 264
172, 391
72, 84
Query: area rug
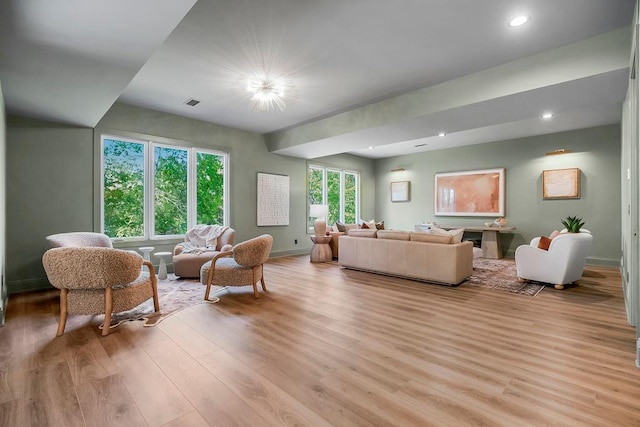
500, 275
174, 294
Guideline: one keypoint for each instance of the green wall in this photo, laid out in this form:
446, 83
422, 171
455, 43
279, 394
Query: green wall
53, 179
53, 173
3, 212
49, 190
596, 151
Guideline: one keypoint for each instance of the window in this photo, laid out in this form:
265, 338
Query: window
152, 190
337, 188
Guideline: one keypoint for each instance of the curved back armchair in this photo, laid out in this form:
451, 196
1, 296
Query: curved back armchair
241, 266
563, 263
97, 280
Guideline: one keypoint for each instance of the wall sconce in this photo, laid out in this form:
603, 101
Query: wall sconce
560, 151
398, 169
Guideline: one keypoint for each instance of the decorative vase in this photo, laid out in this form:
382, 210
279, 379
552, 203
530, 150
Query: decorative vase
500, 222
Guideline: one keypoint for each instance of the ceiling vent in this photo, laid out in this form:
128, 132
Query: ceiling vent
192, 102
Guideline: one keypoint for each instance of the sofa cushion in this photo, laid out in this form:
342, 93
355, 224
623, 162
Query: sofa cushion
340, 227
457, 233
394, 234
362, 233
431, 237
350, 227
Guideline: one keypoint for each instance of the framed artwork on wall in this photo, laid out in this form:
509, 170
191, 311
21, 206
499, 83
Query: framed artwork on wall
561, 184
400, 191
273, 199
470, 193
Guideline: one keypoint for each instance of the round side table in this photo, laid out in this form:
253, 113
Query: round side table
321, 251
146, 254
162, 270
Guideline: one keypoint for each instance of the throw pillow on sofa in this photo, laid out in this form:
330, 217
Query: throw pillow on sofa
340, 226
371, 224
457, 233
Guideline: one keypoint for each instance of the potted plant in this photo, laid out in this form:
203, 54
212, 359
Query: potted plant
573, 224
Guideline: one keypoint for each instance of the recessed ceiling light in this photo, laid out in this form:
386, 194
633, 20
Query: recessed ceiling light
442, 134
371, 147
547, 116
519, 20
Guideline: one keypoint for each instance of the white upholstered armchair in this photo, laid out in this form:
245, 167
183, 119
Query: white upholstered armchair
563, 263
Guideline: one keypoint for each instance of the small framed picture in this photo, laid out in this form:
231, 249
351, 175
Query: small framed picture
400, 191
561, 184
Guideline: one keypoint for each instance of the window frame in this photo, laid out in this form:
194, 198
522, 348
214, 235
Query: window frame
149, 184
325, 193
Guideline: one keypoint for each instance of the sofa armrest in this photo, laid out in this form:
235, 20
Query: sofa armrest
536, 264
178, 249
334, 243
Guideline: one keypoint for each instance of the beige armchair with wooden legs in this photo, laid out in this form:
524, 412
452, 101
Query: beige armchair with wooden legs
241, 266
99, 280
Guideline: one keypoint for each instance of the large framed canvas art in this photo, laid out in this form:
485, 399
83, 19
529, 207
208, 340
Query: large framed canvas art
470, 193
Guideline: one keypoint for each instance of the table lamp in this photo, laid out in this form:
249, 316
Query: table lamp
320, 213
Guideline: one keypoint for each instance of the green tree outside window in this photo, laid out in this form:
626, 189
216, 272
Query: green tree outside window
123, 184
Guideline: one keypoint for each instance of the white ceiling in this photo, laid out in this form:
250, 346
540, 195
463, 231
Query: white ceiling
69, 61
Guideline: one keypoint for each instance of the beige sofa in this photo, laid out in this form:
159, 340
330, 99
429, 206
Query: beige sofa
335, 236
413, 255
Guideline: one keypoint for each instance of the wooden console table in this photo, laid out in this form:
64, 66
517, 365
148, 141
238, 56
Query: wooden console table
490, 239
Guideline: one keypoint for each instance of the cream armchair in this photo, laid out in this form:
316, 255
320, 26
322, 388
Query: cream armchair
98, 280
241, 266
563, 263
79, 239
187, 264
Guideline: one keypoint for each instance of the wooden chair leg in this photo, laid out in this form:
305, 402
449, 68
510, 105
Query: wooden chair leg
264, 285
108, 308
255, 283
154, 285
63, 312
210, 279
559, 286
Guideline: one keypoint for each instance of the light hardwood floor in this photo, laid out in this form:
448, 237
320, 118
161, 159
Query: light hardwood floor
327, 346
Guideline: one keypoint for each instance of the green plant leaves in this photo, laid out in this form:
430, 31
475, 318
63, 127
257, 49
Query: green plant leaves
573, 224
